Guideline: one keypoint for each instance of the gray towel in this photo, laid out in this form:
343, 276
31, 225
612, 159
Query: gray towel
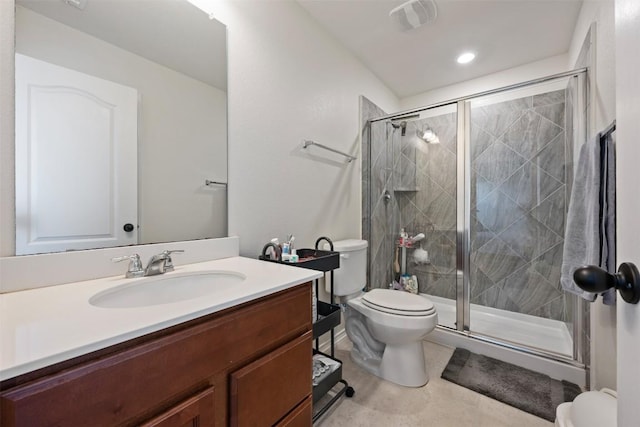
608, 211
590, 230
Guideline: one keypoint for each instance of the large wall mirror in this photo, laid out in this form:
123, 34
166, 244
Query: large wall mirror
121, 124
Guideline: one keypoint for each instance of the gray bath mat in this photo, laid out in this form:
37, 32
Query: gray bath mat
530, 391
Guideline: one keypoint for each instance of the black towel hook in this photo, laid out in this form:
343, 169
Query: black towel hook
594, 279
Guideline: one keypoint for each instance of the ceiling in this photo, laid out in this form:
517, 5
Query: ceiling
503, 34
173, 33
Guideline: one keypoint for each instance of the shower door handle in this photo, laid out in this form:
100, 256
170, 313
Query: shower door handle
387, 196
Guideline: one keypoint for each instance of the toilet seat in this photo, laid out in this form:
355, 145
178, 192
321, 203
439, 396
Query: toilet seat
398, 303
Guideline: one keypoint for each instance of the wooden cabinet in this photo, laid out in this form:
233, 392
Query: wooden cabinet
252, 388
211, 371
196, 411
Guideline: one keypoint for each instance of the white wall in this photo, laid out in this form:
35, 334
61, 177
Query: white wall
603, 111
289, 81
523, 73
181, 128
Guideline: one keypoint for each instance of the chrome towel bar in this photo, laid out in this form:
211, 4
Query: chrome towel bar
349, 157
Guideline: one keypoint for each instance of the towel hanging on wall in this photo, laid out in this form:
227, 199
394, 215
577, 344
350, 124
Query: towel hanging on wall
590, 229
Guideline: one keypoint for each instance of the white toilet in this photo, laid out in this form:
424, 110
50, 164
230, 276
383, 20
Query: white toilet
589, 409
385, 326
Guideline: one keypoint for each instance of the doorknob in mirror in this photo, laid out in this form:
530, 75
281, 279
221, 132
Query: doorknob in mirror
594, 279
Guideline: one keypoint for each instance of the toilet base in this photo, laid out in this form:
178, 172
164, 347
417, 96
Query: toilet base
402, 364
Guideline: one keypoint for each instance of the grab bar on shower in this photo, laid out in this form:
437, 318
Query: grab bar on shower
349, 157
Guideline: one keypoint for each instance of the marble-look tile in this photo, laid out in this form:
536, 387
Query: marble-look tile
442, 168
553, 112
442, 252
446, 129
497, 118
551, 158
529, 289
480, 187
379, 227
529, 185
551, 211
549, 265
480, 141
497, 211
498, 162
479, 283
428, 191
530, 133
554, 97
444, 286
497, 260
553, 309
479, 233
442, 211
405, 174
529, 238
498, 298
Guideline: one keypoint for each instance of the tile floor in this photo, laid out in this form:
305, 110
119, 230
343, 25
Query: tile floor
439, 404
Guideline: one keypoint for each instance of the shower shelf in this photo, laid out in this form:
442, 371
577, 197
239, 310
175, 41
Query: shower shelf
329, 315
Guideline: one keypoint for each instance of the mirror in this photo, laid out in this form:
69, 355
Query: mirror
121, 114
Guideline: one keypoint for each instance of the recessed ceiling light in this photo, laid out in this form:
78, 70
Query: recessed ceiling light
466, 57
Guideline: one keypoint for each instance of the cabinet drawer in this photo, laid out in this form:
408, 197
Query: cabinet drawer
197, 411
266, 390
299, 417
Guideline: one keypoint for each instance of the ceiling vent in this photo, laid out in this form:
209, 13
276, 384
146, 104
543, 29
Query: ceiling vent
413, 14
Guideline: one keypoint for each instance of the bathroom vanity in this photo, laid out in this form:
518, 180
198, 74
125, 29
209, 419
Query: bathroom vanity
244, 360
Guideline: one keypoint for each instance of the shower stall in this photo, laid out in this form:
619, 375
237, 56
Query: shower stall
488, 184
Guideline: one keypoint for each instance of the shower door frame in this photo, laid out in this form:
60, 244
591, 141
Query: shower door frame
463, 222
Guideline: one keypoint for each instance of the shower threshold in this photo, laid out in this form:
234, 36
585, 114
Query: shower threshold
531, 331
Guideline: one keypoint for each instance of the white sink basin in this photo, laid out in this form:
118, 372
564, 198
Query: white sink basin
166, 289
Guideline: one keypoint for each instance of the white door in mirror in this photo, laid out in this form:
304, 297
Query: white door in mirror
76, 160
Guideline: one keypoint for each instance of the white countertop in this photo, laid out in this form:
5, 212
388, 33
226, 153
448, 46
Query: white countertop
41, 327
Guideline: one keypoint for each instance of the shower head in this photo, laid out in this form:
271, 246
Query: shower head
401, 122
402, 125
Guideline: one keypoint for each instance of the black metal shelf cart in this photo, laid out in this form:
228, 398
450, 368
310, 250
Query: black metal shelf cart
328, 318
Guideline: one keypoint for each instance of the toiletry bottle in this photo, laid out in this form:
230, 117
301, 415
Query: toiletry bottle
403, 237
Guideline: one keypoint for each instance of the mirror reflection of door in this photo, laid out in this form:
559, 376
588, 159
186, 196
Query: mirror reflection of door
78, 133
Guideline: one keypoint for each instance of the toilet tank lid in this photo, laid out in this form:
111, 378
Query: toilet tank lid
347, 245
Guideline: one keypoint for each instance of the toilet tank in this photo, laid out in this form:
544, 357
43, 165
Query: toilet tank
351, 277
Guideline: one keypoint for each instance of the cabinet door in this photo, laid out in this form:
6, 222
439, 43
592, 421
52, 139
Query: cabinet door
299, 417
196, 411
266, 390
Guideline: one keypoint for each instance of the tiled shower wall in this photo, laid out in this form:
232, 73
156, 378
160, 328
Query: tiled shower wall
519, 206
519, 201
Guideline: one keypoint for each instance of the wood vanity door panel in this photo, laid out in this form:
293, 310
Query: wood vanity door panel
197, 411
301, 416
132, 385
264, 391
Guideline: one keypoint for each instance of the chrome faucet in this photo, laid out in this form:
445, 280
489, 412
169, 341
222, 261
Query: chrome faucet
160, 263
135, 265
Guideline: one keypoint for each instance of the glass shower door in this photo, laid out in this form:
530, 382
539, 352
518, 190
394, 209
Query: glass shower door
520, 149
425, 187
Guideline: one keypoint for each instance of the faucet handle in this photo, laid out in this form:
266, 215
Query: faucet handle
135, 265
168, 265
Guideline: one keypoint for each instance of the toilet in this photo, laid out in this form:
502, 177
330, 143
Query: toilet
385, 326
589, 409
